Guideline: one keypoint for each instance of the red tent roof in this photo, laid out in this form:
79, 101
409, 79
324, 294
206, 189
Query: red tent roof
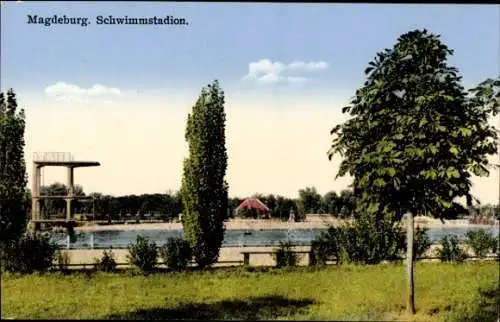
253, 203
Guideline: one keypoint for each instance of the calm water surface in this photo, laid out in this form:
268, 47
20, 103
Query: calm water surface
232, 238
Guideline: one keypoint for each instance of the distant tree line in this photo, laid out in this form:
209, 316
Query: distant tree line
168, 206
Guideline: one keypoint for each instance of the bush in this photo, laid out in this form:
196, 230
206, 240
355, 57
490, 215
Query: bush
143, 254
285, 256
481, 241
496, 245
371, 240
107, 262
176, 253
451, 250
325, 246
34, 252
63, 260
367, 241
421, 242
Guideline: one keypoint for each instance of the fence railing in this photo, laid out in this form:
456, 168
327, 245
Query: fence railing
53, 156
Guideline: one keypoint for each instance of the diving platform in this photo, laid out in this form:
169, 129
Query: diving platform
74, 164
55, 159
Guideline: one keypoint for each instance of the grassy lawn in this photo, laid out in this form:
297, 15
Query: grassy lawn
443, 292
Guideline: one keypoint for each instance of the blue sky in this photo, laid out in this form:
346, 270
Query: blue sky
223, 38
287, 70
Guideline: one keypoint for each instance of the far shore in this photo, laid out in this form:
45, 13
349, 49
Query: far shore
312, 222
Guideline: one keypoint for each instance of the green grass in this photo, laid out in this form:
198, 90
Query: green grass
444, 292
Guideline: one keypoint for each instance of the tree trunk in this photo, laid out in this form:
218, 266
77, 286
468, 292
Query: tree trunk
410, 306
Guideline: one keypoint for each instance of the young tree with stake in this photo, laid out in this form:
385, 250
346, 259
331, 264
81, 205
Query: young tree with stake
415, 136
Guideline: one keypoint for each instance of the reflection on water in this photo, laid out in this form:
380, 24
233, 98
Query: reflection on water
232, 238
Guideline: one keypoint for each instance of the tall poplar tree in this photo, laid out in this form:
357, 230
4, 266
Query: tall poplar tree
13, 210
415, 136
204, 190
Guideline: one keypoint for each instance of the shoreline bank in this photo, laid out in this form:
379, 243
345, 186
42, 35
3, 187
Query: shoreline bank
248, 224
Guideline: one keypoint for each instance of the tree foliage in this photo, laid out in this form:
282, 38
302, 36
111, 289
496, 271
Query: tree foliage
32, 252
309, 201
51, 207
415, 136
204, 189
13, 211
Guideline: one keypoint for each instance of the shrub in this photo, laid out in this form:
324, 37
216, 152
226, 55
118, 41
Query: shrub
107, 262
451, 250
325, 246
421, 242
176, 253
32, 252
143, 254
481, 241
369, 240
63, 260
496, 245
285, 256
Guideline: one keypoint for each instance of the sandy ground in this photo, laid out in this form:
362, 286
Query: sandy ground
313, 221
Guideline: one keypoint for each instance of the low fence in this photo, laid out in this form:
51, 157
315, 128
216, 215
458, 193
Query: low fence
239, 256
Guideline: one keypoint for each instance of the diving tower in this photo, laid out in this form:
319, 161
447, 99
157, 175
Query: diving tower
55, 159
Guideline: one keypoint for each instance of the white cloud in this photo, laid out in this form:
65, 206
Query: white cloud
269, 78
312, 65
296, 80
62, 90
264, 71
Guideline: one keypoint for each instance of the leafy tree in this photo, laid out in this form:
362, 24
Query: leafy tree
423, 170
283, 208
309, 201
347, 204
13, 210
247, 213
271, 202
233, 205
204, 189
330, 203
50, 207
